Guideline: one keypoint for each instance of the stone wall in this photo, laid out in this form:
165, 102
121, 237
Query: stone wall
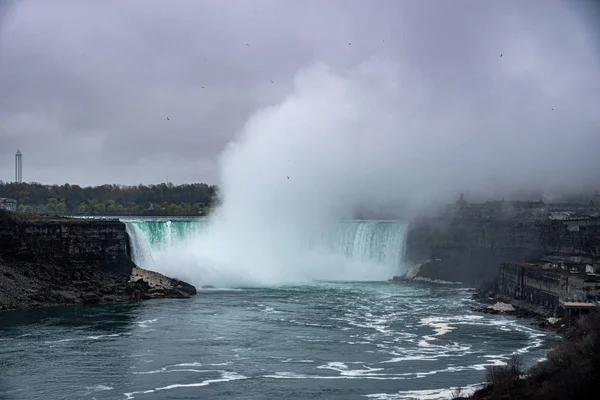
543, 287
510, 280
537, 285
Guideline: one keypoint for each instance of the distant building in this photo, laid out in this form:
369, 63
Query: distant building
19, 167
568, 207
8, 204
499, 209
548, 286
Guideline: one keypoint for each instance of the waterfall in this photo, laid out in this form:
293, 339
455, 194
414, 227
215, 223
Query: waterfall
360, 250
380, 242
151, 236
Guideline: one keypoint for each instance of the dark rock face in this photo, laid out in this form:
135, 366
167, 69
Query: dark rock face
470, 251
46, 262
101, 244
185, 287
155, 285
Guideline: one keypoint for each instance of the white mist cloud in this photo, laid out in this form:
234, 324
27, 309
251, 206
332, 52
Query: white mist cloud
383, 132
397, 130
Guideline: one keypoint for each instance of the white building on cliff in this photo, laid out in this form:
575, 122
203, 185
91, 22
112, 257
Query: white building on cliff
8, 204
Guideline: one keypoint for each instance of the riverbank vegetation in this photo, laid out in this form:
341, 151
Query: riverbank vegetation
161, 199
571, 370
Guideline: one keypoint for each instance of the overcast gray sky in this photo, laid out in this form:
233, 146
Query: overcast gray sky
86, 86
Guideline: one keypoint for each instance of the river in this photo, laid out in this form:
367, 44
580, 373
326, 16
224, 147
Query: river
326, 339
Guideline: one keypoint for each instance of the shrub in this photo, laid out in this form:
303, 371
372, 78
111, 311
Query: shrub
571, 370
503, 378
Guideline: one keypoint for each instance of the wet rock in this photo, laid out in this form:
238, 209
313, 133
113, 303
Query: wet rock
157, 285
184, 287
91, 298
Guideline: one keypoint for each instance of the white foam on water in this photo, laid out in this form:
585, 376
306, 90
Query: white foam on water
348, 375
425, 343
182, 367
226, 376
440, 325
96, 337
410, 358
335, 365
165, 370
144, 324
99, 388
59, 341
103, 336
432, 394
192, 364
344, 370
268, 309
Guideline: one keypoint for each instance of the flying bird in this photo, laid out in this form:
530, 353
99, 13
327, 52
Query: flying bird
349, 43
168, 119
202, 87
500, 54
271, 81
288, 177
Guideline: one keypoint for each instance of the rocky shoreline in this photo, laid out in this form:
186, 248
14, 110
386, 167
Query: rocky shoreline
496, 303
158, 286
570, 370
493, 302
49, 262
415, 274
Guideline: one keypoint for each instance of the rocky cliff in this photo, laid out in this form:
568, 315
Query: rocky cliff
100, 244
470, 251
46, 261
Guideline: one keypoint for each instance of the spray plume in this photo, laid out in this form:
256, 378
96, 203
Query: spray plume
385, 132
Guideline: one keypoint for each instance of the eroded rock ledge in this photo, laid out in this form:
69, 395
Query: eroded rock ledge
160, 286
53, 261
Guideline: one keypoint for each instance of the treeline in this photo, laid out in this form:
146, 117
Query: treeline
161, 199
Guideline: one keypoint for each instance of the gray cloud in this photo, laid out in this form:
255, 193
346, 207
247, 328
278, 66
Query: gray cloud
87, 86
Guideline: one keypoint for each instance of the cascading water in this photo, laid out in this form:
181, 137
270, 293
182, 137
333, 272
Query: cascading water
349, 250
141, 250
163, 234
369, 241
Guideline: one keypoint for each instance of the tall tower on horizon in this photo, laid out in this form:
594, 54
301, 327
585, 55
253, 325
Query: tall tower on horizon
19, 167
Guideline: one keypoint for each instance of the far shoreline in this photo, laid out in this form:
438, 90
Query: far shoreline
111, 216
